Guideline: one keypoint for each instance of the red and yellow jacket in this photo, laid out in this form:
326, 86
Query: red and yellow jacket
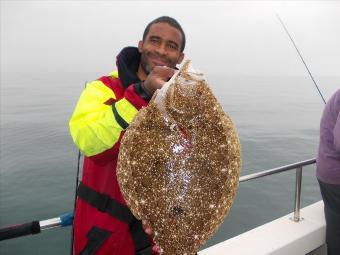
103, 224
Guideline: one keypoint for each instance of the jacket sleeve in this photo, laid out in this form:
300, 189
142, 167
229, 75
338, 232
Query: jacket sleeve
336, 134
96, 123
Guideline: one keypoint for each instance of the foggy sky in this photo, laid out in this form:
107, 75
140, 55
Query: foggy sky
223, 37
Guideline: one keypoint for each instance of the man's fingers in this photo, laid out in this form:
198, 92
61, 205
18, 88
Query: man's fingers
158, 77
145, 224
164, 71
147, 227
155, 249
148, 231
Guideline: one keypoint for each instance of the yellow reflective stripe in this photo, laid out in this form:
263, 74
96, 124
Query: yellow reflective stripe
114, 74
92, 125
126, 110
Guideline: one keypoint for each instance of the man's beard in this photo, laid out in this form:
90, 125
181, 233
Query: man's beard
145, 66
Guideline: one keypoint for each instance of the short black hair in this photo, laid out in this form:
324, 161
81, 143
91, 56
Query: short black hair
172, 22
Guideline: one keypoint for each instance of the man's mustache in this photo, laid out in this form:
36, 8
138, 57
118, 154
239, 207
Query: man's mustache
159, 56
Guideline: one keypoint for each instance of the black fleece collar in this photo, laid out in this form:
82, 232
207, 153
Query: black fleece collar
127, 63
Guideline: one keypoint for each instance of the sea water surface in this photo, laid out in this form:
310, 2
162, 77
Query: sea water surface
277, 119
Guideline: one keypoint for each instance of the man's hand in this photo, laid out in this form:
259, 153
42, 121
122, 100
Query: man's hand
150, 232
157, 77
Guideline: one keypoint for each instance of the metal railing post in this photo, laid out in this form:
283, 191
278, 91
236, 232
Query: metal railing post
298, 167
298, 180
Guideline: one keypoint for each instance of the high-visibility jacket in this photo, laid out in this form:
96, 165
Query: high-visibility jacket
103, 224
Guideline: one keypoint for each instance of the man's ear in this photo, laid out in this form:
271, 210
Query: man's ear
140, 46
180, 58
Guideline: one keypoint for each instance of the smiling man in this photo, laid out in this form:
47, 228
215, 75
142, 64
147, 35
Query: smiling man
162, 45
103, 224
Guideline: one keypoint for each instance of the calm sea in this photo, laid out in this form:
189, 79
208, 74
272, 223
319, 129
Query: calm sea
277, 119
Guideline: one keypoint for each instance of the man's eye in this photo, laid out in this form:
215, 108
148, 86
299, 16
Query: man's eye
172, 46
154, 40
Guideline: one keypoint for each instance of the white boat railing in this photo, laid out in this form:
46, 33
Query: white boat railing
298, 179
35, 227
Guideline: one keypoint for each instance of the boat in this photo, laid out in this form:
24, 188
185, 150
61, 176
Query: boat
298, 233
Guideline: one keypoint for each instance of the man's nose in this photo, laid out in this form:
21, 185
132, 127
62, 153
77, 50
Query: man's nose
161, 50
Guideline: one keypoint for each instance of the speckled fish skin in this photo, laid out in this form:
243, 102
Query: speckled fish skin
179, 165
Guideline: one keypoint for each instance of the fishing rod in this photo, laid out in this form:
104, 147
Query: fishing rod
303, 61
75, 200
35, 227
75, 193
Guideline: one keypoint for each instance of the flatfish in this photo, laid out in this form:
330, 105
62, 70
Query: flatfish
179, 164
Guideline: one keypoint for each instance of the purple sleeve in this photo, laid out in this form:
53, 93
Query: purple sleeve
336, 130
336, 134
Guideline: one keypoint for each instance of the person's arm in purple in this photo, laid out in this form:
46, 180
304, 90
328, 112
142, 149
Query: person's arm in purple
336, 134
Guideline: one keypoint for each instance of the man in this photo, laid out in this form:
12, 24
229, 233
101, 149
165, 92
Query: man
103, 224
328, 171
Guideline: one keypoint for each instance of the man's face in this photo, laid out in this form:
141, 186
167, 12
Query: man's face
161, 47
